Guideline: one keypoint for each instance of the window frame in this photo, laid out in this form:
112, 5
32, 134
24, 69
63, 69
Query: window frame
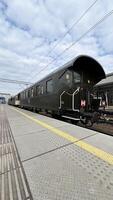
32, 92
29, 93
65, 79
75, 80
39, 90
47, 86
26, 93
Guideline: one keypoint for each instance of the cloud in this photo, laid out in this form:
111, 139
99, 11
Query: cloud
30, 29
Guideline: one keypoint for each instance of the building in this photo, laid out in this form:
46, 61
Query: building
2, 100
105, 89
5, 95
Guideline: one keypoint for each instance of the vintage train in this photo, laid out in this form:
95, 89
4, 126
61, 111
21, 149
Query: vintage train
66, 92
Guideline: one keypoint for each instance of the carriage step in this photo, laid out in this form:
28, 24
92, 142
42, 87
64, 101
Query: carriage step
72, 118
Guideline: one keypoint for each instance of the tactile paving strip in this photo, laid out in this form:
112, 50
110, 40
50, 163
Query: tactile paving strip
67, 173
70, 173
13, 182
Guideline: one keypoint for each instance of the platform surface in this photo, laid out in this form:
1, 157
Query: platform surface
52, 159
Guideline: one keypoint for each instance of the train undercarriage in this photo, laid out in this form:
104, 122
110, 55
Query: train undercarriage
76, 109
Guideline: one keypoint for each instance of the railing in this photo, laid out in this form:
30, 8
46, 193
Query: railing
73, 98
61, 99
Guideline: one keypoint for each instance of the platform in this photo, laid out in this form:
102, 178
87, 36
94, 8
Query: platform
42, 158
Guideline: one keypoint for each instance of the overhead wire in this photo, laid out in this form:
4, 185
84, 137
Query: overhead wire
72, 26
74, 43
5, 80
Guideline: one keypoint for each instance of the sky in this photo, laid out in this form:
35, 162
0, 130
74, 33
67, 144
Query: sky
32, 36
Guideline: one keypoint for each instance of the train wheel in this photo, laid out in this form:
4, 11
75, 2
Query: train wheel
56, 115
75, 122
87, 122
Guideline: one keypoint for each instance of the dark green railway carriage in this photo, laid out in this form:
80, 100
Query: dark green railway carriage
67, 91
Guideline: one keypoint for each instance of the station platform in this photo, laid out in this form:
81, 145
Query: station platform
42, 158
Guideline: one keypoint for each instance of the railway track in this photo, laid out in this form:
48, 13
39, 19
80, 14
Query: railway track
104, 128
105, 125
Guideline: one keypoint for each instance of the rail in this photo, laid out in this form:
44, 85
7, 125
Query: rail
73, 98
61, 99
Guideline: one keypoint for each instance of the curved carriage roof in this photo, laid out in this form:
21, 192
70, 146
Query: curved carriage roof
80, 62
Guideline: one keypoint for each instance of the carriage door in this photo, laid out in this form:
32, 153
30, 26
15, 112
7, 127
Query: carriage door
66, 101
66, 96
76, 94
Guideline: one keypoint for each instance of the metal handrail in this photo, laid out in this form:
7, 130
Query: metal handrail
73, 95
73, 98
69, 93
60, 98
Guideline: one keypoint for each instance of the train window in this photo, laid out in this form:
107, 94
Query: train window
42, 91
39, 90
26, 93
29, 93
76, 77
32, 92
16, 97
67, 77
22, 95
49, 86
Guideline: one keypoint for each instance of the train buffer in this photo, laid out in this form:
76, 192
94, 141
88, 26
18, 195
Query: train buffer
44, 158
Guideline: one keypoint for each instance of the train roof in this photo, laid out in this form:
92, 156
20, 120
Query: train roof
81, 59
106, 81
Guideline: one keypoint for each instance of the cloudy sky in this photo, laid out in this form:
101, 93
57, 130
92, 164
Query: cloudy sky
30, 29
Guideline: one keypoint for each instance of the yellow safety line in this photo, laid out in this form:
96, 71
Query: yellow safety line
89, 148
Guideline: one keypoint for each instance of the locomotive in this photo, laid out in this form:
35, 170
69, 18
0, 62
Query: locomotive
66, 92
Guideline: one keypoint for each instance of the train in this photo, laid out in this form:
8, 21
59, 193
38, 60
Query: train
66, 92
2, 100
